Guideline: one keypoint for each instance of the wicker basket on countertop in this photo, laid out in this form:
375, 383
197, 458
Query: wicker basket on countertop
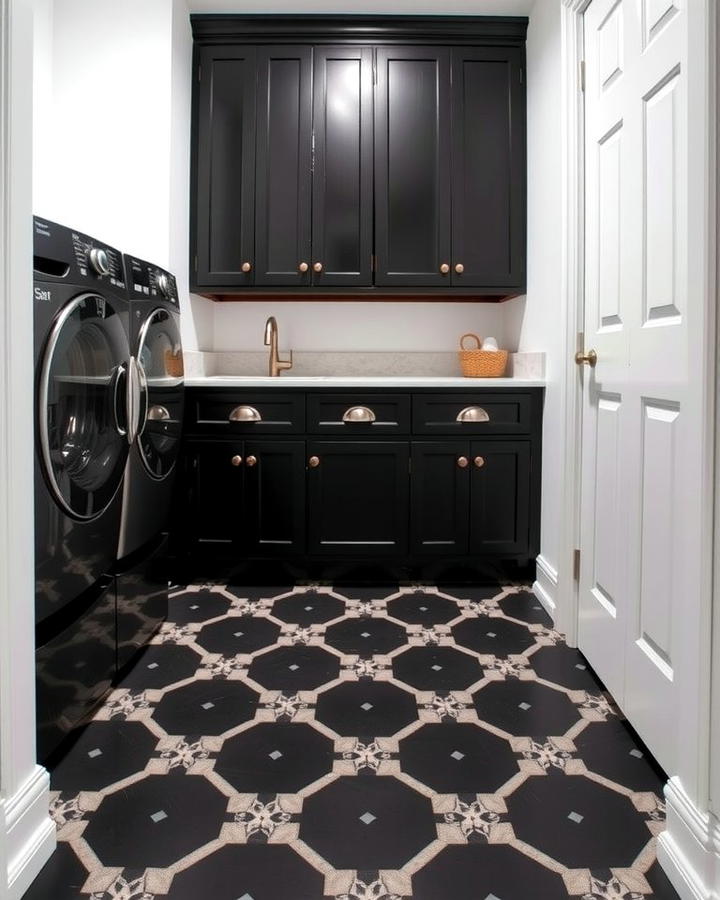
479, 363
174, 363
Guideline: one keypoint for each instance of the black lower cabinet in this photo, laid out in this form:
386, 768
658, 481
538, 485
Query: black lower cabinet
274, 497
358, 494
216, 481
440, 498
500, 497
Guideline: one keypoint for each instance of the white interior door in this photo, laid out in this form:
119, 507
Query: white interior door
638, 415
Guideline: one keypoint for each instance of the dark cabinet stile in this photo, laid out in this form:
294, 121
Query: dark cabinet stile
346, 168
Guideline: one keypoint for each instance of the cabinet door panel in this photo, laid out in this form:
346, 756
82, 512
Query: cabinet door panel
488, 167
284, 135
440, 498
275, 497
500, 497
358, 498
412, 165
225, 166
218, 493
342, 166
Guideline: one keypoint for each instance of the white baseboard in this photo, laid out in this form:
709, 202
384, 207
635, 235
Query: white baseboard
28, 832
689, 848
545, 586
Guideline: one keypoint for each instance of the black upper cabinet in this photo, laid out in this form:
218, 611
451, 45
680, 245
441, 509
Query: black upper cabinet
342, 217
283, 166
224, 215
488, 168
412, 166
337, 167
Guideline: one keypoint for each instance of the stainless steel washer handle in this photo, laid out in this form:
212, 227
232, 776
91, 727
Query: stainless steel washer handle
143, 398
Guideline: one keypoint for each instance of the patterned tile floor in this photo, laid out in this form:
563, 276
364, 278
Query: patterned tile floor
356, 743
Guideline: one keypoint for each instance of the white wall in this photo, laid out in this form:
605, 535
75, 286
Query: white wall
536, 322
112, 93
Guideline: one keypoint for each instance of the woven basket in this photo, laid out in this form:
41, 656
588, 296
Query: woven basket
479, 363
174, 363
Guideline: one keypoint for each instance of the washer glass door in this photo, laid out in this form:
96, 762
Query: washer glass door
82, 406
160, 357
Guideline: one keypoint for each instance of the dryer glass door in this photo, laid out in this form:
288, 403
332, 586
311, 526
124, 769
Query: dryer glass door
160, 357
82, 406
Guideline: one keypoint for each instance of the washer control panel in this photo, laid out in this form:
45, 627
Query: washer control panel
63, 254
146, 281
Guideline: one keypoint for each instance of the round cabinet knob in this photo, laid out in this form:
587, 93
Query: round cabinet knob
459, 268
99, 261
479, 462
314, 462
590, 358
163, 285
462, 462
251, 461
444, 268
236, 460
246, 266
303, 267
318, 267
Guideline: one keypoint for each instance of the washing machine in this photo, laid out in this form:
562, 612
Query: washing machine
142, 579
86, 420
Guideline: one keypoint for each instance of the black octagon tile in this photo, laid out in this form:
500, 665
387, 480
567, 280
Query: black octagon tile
196, 606
367, 823
525, 708
525, 606
297, 668
564, 666
493, 635
366, 709
437, 669
420, 608
250, 872
275, 758
472, 592
206, 708
308, 608
458, 758
365, 636
152, 823
254, 592
61, 878
238, 634
483, 871
577, 822
662, 889
610, 749
105, 752
366, 591
161, 665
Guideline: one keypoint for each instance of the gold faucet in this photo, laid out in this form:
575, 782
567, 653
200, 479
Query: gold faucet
275, 364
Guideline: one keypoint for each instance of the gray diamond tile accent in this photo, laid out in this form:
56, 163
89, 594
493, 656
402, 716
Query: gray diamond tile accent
423, 609
575, 817
636, 753
436, 668
367, 818
308, 608
208, 705
238, 633
159, 816
365, 634
276, 754
581, 666
96, 752
246, 897
492, 897
491, 634
524, 706
294, 667
195, 606
153, 666
456, 754
367, 707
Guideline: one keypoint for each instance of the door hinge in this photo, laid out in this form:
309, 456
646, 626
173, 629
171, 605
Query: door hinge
582, 75
576, 565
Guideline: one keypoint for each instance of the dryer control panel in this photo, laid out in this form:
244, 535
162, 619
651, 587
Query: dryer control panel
146, 281
63, 254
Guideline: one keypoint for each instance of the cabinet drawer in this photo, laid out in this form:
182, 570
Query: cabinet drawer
342, 414
501, 413
246, 413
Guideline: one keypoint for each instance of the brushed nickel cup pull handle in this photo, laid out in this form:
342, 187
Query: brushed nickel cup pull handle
473, 414
314, 462
479, 462
244, 414
462, 462
236, 460
251, 461
358, 414
158, 414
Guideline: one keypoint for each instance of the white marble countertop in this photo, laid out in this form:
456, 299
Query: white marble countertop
343, 381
